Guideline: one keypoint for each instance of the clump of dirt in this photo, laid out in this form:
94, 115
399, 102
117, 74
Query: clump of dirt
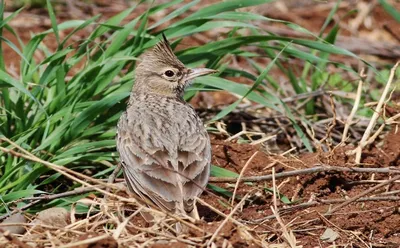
233, 156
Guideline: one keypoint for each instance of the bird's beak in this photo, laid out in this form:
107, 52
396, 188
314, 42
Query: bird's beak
197, 72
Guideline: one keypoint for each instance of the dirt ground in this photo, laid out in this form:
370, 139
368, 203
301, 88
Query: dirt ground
371, 221
375, 222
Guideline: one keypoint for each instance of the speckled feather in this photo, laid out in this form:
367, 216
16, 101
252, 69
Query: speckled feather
163, 145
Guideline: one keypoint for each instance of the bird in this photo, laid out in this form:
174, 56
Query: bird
164, 148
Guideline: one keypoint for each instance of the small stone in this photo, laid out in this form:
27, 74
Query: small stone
329, 235
55, 217
17, 218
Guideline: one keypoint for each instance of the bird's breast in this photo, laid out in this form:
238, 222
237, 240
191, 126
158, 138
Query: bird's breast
164, 123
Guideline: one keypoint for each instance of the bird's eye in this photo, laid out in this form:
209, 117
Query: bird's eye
169, 73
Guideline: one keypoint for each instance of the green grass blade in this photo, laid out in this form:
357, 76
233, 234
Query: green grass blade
2, 64
390, 9
14, 83
217, 171
53, 20
120, 39
329, 17
220, 190
220, 7
80, 27
174, 14
84, 119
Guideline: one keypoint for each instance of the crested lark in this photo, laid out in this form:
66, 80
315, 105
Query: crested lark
164, 148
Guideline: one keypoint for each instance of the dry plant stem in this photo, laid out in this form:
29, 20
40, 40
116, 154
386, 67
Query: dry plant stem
375, 116
366, 192
289, 239
38, 199
380, 129
72, 213
241, 175
393, 192
228, 217
275, 201
354, 109
393, 33
86, 241
113, 175
262, 140
392, 119
366, 182
332, 125
62, 170
111, 180
312, 94
122, 225
4, 216
242, 133
332, 201
77, 191
31, 225
67, 172
14, 240
310, 132
305, 205
317, 169
375, 135
147, 230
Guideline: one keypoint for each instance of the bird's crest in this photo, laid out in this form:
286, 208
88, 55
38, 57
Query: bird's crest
164, 52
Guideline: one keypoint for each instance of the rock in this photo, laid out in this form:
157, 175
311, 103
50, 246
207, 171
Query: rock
17, 218
55, 217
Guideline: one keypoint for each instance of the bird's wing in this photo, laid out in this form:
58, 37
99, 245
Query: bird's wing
151, 163
194, 162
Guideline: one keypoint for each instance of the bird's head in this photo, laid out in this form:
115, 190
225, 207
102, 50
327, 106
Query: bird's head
161, 72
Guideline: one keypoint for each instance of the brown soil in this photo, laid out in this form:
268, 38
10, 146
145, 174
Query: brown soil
374, 222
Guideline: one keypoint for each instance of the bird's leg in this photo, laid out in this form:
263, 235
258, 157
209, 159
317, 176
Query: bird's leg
194, 214
114, 174
110, 181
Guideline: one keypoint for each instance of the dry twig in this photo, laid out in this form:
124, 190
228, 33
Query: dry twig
316, 169
241, 175
366, 192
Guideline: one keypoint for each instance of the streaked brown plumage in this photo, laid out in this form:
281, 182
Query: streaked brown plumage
164, 148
